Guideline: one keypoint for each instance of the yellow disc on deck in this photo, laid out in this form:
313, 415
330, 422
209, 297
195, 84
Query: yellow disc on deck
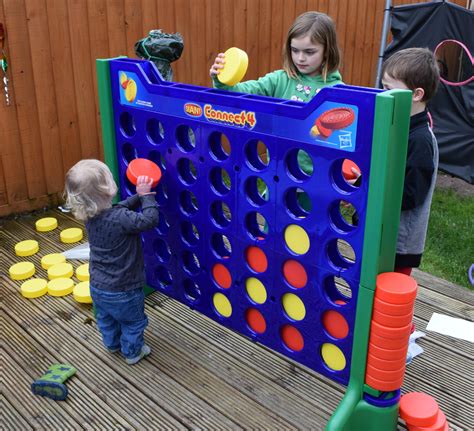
60, 270
82, 293
73, 234
46, 224
222, 304
333, 357
235, 67
34, 288
60, 286
297, 239
82, 272
26, 248
22, 270
49, 260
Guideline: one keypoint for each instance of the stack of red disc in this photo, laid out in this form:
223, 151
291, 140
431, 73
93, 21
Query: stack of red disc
421, 413
392, 316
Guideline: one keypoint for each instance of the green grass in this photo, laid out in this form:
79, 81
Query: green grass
449, 250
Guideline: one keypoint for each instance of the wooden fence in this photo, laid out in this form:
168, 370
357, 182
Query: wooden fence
51, 45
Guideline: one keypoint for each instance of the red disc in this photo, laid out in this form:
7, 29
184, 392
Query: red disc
255, 320
419, 409
335, 324
138, 167
396, 288
295, 274
347, 166
292, 338
439, 425
256, 259
337, 118
324, 131
222, 275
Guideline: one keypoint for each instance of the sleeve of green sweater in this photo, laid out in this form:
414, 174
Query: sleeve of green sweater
264, 86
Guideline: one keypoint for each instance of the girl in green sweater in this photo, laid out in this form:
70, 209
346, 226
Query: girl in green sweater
311, 60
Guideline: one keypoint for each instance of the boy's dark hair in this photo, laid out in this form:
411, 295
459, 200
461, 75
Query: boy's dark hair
416, 67
321, 29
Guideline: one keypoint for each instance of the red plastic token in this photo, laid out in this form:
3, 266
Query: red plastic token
255, 320
335, 324
295, 274
256, 259
440, 425
347, 166
337, 118
419, 409
138, 167
388, 354
396, 288
390, 320
292, 338
324, 131
222, 275
393, 309
385, 364
383, 385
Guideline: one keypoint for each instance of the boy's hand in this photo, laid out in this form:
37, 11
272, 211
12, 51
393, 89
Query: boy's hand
356, 173
144, 185
218, 65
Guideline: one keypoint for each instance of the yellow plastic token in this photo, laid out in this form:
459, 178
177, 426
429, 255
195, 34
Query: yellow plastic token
256, 290
60, 286
333, 357
48, 260
82, 272
22, 270
46, 224
297, 239
222, 304
82, 293
235, 67
73, 234
34, 288
293, 306
60, 270
26, 248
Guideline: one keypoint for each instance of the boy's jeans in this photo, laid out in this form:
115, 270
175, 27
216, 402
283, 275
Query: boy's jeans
121, 319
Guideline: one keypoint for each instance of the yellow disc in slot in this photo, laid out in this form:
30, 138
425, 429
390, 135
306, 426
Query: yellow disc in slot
60, 270
26, 248
60, 286
48, 260
82, 293
71, 235
21, 270
82, 272
46, 224
34, 288
235, 67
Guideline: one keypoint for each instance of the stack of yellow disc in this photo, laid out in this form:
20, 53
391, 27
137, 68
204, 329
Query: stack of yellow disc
26, 248
73, 234
22, 270
34, 288
60, 286
82, 272
49, 260
46, 224
82, 293
235, 67
60, 270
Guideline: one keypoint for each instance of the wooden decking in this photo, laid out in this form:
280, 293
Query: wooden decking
200, 375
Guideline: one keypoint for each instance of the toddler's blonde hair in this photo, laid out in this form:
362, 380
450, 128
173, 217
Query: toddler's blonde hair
90, 188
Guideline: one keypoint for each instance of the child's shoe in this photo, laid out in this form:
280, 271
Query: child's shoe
144, 352
114, 349
51, 384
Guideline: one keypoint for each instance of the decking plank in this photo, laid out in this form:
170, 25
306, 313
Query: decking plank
12, 419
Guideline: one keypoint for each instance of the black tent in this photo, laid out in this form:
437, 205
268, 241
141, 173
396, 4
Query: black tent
427, 25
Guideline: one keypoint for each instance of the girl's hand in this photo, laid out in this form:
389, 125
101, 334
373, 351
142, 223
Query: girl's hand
144, 184
218, 65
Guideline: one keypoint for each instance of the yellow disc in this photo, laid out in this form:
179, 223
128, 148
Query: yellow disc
82, 272
46, 224
60, 286
293, 306
296, 239
21, 270
82, 293
60, 270
34, 288
222, 304
131, 90
256, 290
48, 260
333, 357
73, 234
235, 67
26, 248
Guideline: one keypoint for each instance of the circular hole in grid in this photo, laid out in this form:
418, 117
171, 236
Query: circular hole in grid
337, 289
129, 152
220, 181
131, 188
221, 245
257, 154
187, 171
257, 191
161, 194
299, 165
155, 131
191, 262
341, 253
188, 203
192, 292
256, 225
163, 277
162, 250
186, 139
343, 177
155, 157
127, 124
298, 203
220, 213
189, 233
343, 216
219, 146
163, 225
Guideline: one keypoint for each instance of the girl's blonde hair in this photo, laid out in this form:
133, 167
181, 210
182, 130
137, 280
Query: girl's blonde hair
321, 29
90, 188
